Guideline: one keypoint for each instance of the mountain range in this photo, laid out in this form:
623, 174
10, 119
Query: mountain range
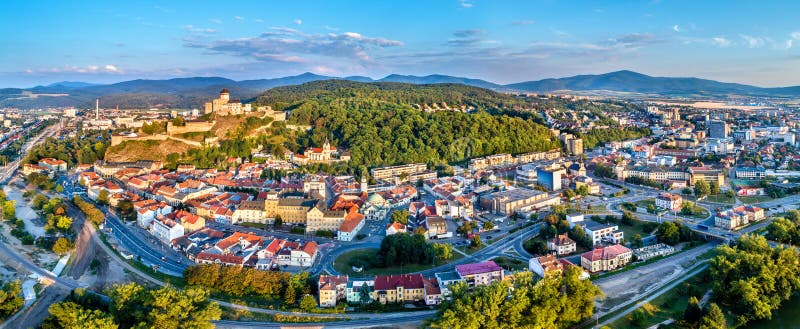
192, 92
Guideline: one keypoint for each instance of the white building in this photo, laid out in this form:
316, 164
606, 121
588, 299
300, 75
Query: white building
166, 229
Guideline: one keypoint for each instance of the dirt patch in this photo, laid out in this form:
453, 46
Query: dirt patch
145, 150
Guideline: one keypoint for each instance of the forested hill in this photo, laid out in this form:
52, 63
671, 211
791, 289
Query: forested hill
377, 123
384, 94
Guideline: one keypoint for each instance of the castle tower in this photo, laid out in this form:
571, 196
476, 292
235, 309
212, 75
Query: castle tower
225, 95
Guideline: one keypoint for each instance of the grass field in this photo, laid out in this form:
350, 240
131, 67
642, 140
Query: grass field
341, 264
754, 199
669, 305
720, 198
511, 264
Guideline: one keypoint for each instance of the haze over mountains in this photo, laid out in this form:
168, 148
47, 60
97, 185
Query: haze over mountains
191, 92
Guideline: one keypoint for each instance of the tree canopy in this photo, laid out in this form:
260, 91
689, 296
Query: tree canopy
556, 302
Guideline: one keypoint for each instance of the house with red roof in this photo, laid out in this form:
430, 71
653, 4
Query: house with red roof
477, 274
606, 258
331, 289
353, 222
399, 288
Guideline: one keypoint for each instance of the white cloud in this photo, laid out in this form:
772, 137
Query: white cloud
298, 21
523, 22
283, 44
89, 69
795, 35
676, 28
721, 42
788, 44
193, 29
466, 3
238, 18
752, 42
215, 20
258, 20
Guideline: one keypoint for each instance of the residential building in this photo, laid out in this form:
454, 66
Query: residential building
545, 265
719, 129
166, 229
606, 258
54, 165
561, 245
394, 228
353, 222
251, 212
602, 233
738, 217
354, 293
399, 288
331, 289
477, 274
671, 202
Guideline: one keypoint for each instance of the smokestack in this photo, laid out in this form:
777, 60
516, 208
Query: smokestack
97, 109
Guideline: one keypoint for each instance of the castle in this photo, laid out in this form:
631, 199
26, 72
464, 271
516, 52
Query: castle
224, 106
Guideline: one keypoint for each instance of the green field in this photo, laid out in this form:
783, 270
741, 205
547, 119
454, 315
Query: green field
341, 264
720, 198
754, 199
511, 263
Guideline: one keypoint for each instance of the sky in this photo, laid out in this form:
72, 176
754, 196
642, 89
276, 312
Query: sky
752, 42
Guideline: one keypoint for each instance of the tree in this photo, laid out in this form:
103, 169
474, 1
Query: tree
628, 218
102, 197
278, 221
639, 317
730, 194
742, 289
59, 189
713, 188
125, 209
69, 315
686, 191
583, 190
308, 303
668, 233
444, 251
701, 188
488, 225
636, 241
476, 242
400, 216
561, 301
693, 312
713, 319
10, 210
687, 209
10, 298
62, 246
178, 121
195, 311
63, 222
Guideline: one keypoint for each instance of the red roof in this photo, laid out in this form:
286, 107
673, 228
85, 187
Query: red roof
609, 252
310, 248
391, 282
478, 268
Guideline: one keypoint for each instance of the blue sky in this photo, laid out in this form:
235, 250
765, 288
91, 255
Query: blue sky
754, 42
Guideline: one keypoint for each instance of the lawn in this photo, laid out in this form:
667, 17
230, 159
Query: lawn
719, 198
636, 228
670, 304
511, 263
341, 264
645, 203
754, 199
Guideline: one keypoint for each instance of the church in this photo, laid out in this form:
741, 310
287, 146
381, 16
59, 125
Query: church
324, 154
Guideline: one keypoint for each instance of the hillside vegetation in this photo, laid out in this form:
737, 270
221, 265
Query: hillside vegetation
377, 123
